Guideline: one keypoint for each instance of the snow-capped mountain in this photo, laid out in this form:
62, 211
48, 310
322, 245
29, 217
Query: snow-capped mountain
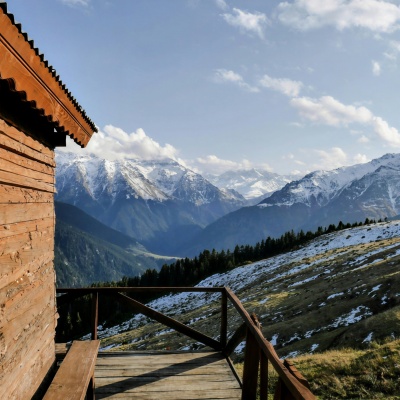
152, 201
321, 187
348, 194
252, 184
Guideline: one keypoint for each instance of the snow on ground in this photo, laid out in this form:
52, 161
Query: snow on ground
266, 271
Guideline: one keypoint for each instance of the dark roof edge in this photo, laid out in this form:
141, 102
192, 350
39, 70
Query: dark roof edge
3, 6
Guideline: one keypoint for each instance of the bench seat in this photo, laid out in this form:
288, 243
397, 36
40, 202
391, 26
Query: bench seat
75, 377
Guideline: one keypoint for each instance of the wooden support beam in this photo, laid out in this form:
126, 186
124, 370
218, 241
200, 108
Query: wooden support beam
95, 314
250, 367
263, 377
299, 391
236, 339
224, 319
170, 322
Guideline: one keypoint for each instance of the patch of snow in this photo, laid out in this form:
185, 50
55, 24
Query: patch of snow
332, 296
374, 289
274, 340
352, 317
368, 338
314, 347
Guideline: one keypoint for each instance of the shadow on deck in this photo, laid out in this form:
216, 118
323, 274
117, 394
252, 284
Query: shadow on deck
165, 375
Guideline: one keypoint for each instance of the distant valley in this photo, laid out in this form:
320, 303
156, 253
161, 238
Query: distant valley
174, 212
88, 251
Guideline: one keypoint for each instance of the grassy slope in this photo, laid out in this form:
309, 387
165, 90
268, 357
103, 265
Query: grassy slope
315, 300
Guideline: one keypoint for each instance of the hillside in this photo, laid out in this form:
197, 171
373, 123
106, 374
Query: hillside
341, 290
87, 251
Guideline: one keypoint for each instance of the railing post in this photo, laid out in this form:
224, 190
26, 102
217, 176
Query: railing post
224, 318
251, 364
263, 376
95, 314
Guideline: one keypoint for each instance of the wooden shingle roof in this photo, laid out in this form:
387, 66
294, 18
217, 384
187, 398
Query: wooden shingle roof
29, 74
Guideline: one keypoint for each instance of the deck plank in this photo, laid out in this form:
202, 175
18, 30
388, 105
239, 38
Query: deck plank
165, 375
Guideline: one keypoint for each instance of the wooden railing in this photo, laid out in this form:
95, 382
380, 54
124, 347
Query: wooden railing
258, 352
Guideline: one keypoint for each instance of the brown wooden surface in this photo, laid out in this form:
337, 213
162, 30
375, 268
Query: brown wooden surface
27, 293
250, 367
236, 339
299, 391
263, 376
164, 375
73, 377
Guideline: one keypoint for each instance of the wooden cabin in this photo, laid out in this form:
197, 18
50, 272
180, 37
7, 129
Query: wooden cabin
37, 112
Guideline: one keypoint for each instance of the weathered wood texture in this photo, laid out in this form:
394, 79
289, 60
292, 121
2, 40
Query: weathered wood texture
27, 279
165, 375
74, 378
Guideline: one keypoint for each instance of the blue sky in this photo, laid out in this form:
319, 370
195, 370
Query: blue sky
292, 86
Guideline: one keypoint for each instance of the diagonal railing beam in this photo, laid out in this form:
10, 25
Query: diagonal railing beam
170, 322
299, 391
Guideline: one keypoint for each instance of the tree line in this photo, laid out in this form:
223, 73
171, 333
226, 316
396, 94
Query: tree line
186, 272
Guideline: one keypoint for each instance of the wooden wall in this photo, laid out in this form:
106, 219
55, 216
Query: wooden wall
27, 279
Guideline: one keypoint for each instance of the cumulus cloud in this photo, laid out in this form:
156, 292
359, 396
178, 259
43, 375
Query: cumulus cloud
247, 22
76, 3
334, 158
285, 86
114, 143
361, 159
394, 50
363, 139
221, 4
213, 165
329, 111
376, 68
375, 15
224, 75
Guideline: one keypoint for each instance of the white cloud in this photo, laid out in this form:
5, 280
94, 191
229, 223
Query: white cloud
213, 165
113, 143
363, 139
224, 75
329, 111
76, 3
286, 86
376, 68
221, 4
361, 159
247, 22
329, 160
375, 15
394, 50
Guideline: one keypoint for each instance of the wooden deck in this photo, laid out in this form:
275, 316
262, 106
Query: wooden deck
165, 375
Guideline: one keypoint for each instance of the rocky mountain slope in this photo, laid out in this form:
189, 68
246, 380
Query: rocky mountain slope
350, 194
158, 203
340, 290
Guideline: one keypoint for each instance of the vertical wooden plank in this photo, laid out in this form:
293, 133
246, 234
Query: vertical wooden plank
224, 318
250, 368
95, 314
263, 376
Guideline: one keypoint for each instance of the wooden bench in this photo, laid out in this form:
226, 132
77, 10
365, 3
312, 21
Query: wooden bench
75, 377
